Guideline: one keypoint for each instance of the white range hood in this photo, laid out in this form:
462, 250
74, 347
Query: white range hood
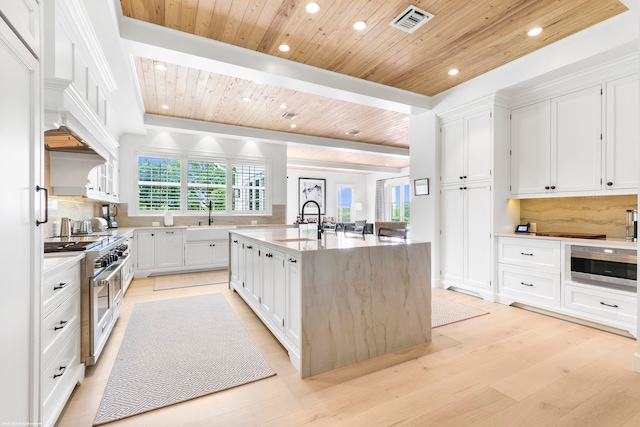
70, 172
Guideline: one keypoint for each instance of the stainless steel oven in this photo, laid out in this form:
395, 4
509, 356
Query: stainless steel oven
607, 267
101, 286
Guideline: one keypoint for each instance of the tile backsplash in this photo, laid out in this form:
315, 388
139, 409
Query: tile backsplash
605, 214
75, 208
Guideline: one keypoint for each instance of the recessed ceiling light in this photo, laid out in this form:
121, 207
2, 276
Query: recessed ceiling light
534, 31
284, 48
164, 106
161, 67
312, 7
360, 25
246, 99
453, 71
294, 126
283, 106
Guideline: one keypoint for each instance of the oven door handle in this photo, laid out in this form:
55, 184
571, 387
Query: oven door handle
627, 259
98, 281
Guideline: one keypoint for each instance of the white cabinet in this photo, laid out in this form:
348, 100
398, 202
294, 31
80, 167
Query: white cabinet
556, 145
273, 286
293, 309
622, 134
21, 124
467, 148
466, 235
60, 341
210, 254
236, 262
145, 249
102, 181
169, 248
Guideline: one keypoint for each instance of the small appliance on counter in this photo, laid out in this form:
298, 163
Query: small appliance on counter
99, 224
632, 225
65, 227
82, 227
109, 213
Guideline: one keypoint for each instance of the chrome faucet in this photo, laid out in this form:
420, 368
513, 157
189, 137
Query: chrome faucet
318, 206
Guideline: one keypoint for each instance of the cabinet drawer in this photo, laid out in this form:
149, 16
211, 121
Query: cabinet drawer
59, 287
59, 325
59, 378
538, 254
602, 303
532, 286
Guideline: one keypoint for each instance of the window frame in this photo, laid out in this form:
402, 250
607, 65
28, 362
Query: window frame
339, 187
184, 158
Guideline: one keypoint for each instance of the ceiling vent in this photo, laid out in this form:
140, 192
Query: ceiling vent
289, 116
353, 132
411, 19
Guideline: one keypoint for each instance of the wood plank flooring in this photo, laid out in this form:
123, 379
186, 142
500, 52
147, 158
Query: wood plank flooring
509, 368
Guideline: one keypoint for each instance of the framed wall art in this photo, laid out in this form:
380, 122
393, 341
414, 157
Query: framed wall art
421, 186
312, 189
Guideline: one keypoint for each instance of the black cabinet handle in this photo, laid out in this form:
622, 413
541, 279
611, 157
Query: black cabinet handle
609, 305
292, 260
526, 284
249, 247
461, 188
235, 241
63, 323
60, 286
546, 188
609, 183
461, 177
62, 370
465, 177
212, 245
46, 205
524, 253
553, 187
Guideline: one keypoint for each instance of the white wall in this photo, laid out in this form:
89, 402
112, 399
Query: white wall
198, 144
357, 181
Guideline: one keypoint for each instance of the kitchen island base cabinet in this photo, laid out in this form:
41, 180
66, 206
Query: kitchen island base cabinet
343, 300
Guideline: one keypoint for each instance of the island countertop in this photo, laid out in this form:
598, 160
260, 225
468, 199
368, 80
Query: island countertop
307, 240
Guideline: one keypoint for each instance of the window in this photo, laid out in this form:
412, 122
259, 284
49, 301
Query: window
189, 186
206, 184
158, 184
249, 188
400, 202
344, 203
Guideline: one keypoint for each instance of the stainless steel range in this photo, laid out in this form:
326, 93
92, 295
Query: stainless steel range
101, 286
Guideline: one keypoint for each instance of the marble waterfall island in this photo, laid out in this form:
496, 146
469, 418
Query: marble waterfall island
335, 301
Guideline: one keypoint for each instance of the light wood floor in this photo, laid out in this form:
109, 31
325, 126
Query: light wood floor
509, 368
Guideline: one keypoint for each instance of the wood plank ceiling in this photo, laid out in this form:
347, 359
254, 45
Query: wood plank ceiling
474, 37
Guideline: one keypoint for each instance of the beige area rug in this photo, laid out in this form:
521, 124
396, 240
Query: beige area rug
185, 280
179, 349
444, 311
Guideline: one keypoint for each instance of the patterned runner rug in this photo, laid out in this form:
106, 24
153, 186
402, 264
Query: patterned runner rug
179, 349
444, 311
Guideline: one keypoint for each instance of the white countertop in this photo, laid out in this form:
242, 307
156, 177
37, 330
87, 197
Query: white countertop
306, 240
609, 241
54, 262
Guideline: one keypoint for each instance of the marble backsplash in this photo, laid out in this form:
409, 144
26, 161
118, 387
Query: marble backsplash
605, 214
75, 208
278, 216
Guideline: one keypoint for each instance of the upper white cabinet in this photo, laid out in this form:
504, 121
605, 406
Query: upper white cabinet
622, 134
24, 16
466, 148
556, 145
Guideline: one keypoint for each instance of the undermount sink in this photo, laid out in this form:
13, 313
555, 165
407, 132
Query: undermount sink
207, 233
297, 239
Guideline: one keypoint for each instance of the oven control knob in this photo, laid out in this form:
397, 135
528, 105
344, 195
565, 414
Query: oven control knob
97, 263
105, 262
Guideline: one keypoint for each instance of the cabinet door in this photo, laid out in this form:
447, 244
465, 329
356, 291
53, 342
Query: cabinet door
622, 134
478, 146
257, 271
198, 253
278, 284
24, 16
530, 149
220, 253
452, 148
477, 240
145, 249
234, 261
576, 141
452, 233
21, 171
293, 318
169, 249
247, 282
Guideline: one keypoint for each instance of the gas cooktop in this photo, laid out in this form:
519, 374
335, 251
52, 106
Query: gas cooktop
75, 243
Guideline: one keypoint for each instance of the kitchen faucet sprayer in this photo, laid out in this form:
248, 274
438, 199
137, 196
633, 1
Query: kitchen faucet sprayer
318, 206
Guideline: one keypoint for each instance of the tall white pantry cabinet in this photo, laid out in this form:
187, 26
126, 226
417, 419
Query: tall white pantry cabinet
472, 141
23, 205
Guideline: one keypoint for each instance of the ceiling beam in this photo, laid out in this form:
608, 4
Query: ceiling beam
176, 47
270, 136
337, 167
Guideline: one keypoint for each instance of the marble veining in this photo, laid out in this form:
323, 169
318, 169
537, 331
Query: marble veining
605, 214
